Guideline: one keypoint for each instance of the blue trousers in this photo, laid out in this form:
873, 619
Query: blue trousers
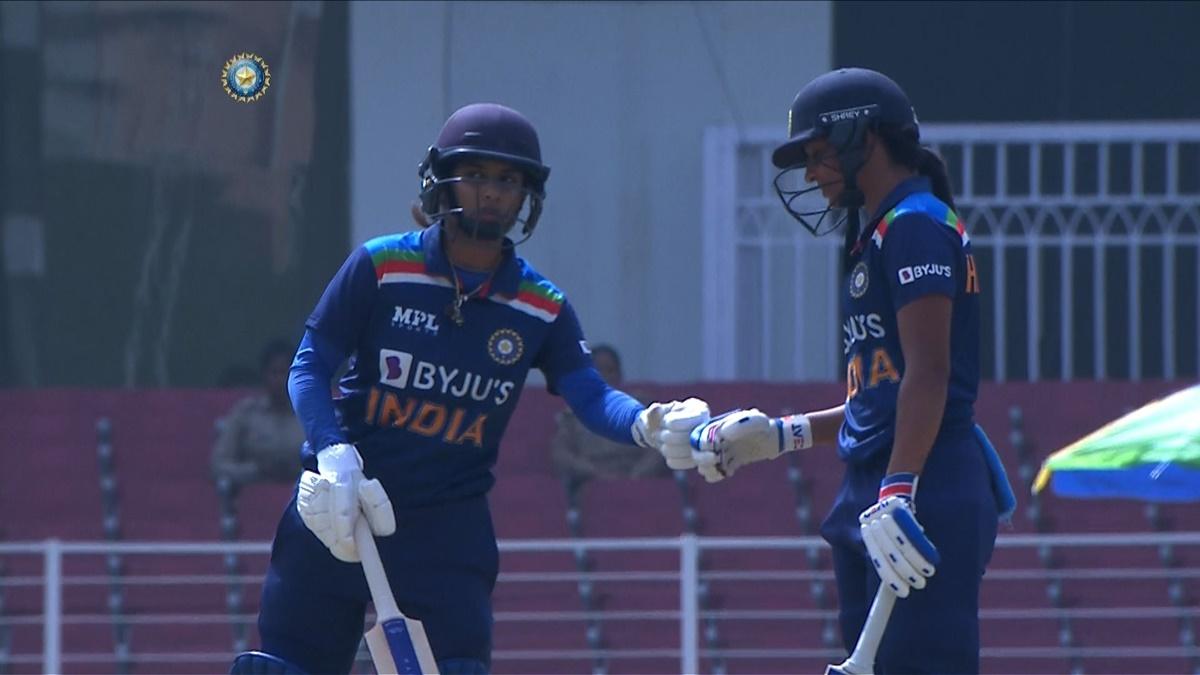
935, 629
441, 563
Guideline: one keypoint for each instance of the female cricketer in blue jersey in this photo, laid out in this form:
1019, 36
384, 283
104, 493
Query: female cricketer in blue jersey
910, 333
441, 327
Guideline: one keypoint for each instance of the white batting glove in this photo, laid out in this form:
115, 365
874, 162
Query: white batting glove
740, 437
678, 418
896, 543
330, 500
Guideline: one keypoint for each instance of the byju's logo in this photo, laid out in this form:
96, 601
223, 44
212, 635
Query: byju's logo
910, 274
415, 319
394, 367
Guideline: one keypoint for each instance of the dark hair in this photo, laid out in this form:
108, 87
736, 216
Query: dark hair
607, 349
904, 149
274, 348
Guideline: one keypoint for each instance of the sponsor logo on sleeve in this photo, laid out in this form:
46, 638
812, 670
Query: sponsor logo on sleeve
910, 274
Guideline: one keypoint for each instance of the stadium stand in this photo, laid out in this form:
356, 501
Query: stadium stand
1054, 609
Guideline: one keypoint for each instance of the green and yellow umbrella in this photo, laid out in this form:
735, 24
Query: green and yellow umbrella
1152, 454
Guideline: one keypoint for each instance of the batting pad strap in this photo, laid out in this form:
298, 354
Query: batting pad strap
898, 485
795, 433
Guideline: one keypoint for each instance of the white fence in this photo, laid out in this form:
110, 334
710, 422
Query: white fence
1023, 565
1087, 236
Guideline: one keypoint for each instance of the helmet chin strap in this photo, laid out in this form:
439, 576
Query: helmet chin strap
849, 137
852, 200
482, 230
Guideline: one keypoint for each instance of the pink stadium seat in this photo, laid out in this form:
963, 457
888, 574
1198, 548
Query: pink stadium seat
162, 441
259, 508
1007, 665
1109, 665
529, 506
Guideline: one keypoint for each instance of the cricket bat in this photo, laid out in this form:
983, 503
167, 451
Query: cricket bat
397, 643
862, 660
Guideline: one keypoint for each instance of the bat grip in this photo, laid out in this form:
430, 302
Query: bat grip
381, 590
863, 658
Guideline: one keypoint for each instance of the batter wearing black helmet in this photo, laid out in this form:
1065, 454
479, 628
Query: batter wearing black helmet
910, 313
442, 326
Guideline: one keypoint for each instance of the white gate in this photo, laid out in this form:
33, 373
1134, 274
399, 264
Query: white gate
1086, 236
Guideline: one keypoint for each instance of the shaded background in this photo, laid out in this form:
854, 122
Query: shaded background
157, 233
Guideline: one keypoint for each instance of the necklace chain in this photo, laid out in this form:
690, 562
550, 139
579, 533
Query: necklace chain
454, 309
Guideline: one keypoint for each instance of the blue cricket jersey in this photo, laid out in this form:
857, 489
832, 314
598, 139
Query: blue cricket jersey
426, 401
918, 247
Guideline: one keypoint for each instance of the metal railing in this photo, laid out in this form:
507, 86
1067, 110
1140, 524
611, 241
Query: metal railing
1087, 236
678, 566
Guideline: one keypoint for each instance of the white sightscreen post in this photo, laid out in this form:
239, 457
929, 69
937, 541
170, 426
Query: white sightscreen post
718, 253
689, 615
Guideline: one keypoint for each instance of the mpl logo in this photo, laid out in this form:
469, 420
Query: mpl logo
394, 367
910, 274
415, 319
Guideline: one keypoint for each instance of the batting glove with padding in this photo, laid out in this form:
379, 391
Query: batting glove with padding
665, 427
740, 437
896, 543
330, 500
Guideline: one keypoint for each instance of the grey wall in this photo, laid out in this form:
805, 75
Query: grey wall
1017, 61
621, 93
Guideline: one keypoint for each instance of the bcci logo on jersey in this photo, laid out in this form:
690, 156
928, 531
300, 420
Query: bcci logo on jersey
415, 319
859, 280
505, 346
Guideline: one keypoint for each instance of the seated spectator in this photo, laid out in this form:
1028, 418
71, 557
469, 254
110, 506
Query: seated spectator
260, 438
580, 455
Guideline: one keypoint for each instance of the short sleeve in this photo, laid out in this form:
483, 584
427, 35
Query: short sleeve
345, 305
564, 350
921, 257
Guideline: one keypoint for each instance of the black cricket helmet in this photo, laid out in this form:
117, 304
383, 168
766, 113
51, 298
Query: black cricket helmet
484, 131
839, 106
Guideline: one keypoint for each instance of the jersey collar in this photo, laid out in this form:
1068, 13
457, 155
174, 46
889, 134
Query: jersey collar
506, 280
903, 189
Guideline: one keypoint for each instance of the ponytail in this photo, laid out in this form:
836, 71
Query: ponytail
904, 149
930, 165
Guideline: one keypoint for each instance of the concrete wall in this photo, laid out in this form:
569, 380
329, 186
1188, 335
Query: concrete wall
621, 93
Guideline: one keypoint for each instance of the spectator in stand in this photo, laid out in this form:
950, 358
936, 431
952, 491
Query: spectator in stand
260, 439
580, 455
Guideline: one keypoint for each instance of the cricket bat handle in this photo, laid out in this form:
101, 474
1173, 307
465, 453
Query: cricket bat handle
862, 660
381, 590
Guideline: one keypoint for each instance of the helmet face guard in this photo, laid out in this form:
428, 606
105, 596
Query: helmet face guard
846, 131
476, 217
839, 106
484, 131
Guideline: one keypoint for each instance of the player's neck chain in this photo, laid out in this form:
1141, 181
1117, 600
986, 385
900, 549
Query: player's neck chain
454, 309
